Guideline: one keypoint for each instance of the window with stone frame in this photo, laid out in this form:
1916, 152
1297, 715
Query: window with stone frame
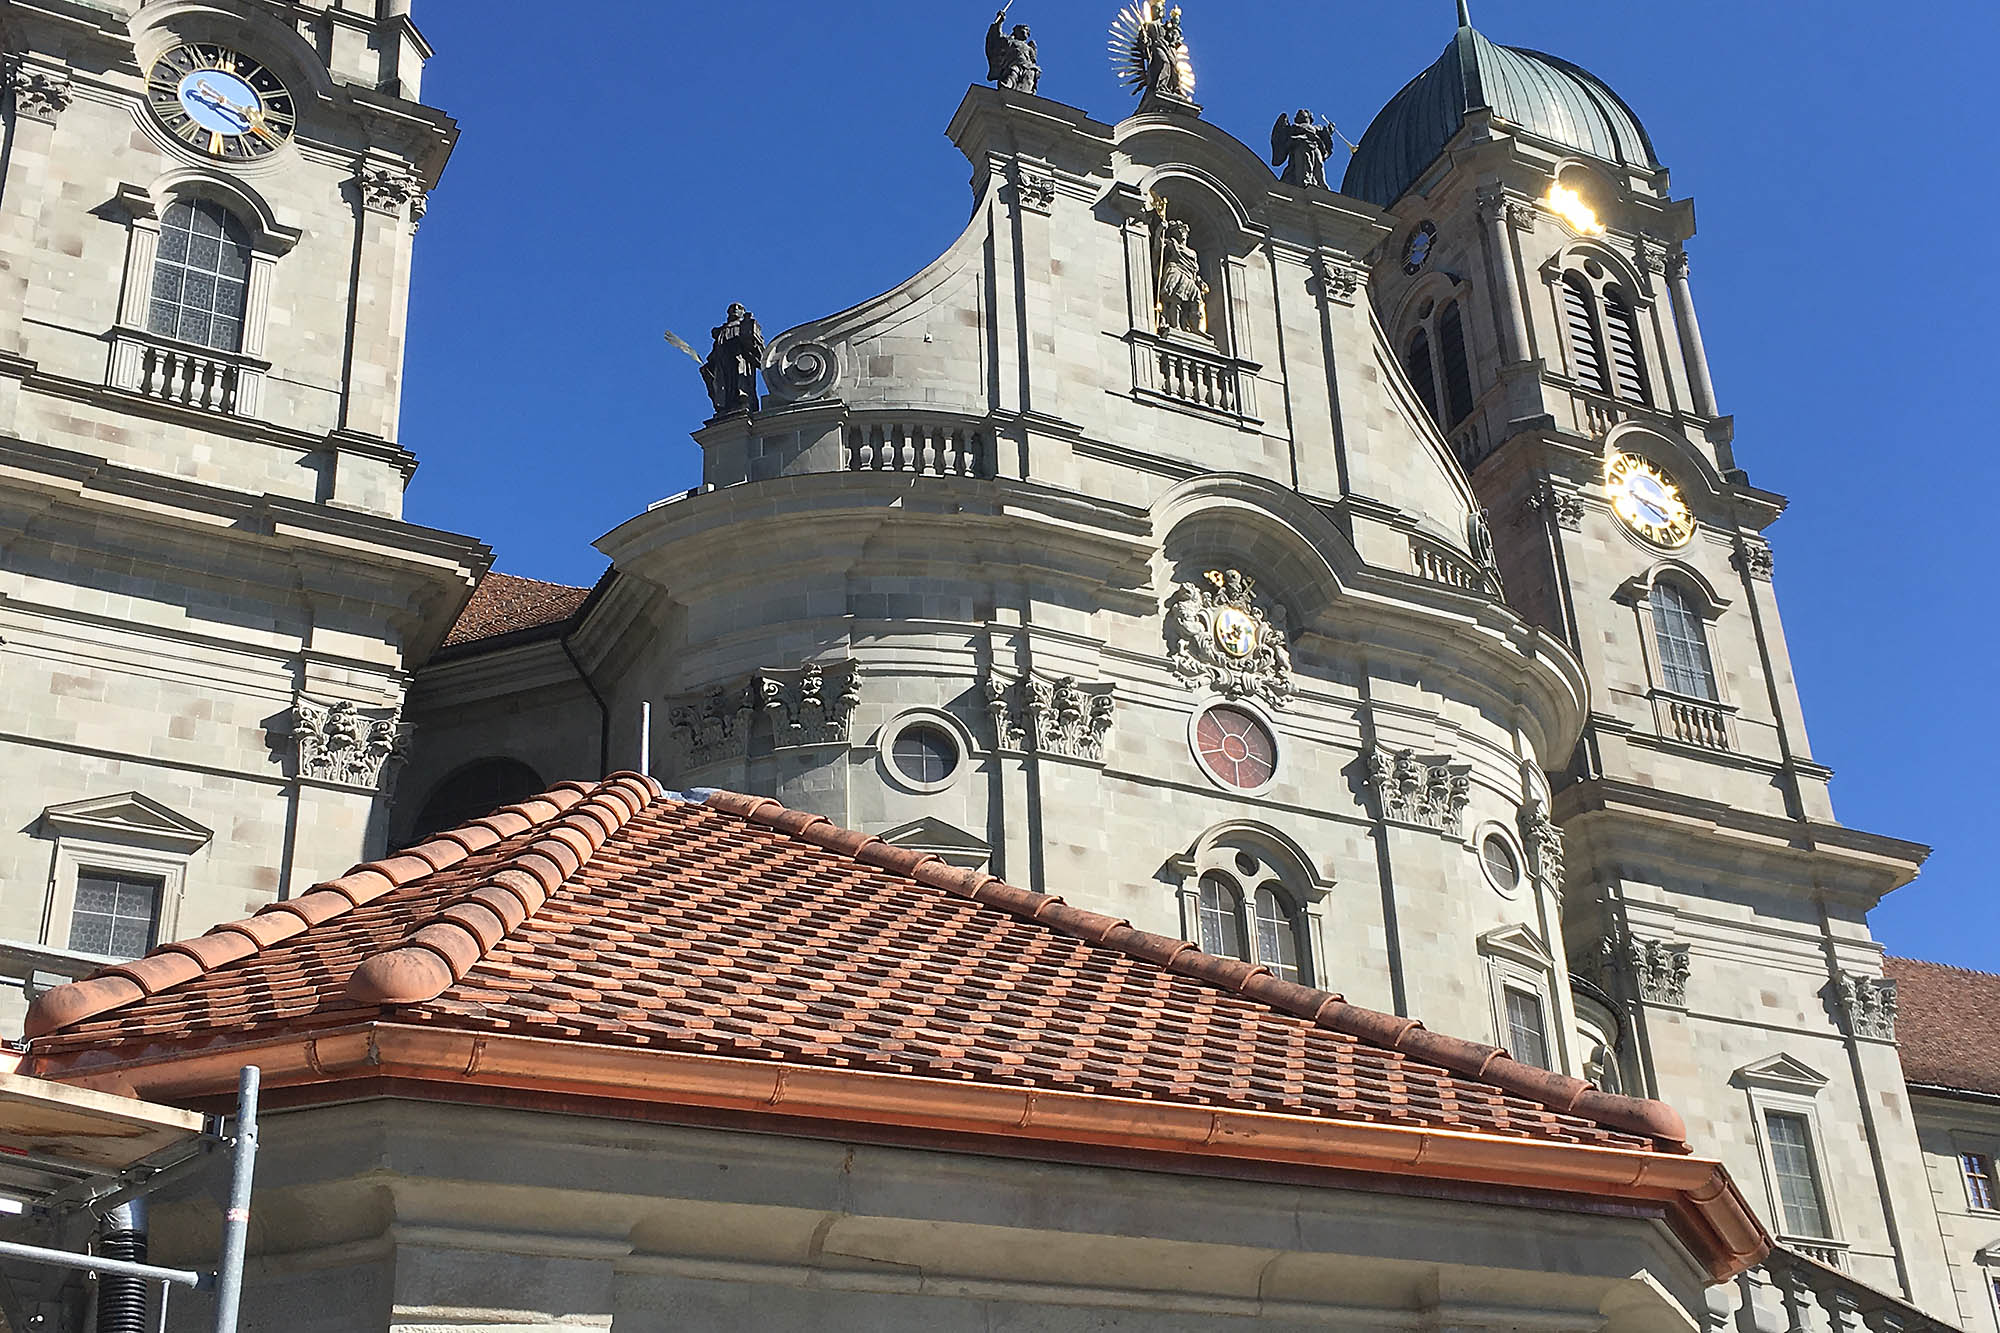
1979, 1184
1527, 1027
1794, 1163
1438, 360
1245, 911
1681, 631
201, 276
1423, 373
115, 914
1586, 348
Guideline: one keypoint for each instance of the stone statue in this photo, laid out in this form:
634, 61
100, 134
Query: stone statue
1010, 57
1150, 54
731, 368
1301, 146
1180, 293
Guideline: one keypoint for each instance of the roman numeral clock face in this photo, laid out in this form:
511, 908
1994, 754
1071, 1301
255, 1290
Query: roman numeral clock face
1648, 501
221, 103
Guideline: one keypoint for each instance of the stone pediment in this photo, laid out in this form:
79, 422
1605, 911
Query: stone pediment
1782, 1073
1518, 943
949, 843
129, 819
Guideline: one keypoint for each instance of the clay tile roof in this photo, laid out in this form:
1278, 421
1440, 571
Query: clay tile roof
674, 949
1948, 1022
507, 604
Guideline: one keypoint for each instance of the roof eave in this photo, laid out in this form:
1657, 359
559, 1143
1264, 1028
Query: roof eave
1706, 1210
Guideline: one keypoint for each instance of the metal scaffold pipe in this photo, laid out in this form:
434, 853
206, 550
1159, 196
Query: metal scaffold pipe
236, 1220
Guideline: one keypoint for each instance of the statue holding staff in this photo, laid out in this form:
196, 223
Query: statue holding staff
1010, 57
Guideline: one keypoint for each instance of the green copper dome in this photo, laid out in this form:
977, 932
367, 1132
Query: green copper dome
1539, 93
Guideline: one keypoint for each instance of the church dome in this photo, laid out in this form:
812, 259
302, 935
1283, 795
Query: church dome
1541, 94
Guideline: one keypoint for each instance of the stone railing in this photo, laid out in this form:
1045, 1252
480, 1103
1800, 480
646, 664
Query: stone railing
932, 449
1193, 376
184, 374
1796, 1291
1595, 414
1694, 723
1435, 564
1832, 1253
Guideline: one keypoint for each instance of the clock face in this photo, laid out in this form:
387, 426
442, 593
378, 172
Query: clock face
221, 103
1417, 250
1648, 501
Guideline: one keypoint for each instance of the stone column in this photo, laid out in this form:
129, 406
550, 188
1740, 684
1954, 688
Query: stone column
39, 94
1692, 350
392, 199
1496, 211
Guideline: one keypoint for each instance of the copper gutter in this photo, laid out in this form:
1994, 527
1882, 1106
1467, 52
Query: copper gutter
1701, 1202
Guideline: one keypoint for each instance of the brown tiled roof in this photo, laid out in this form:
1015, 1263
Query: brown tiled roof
1948, 1022
507, 603
733, 953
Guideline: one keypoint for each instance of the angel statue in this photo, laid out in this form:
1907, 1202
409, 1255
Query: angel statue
1180, 293
732, 365
1149, 53
1301, 146
1010, 57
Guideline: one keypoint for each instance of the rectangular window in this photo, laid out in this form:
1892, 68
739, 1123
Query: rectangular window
1978, 1179
1527, 1034
1798, 1176
116, 915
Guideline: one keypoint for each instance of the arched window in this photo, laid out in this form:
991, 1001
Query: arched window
1628, 364
1244, 909
1417, 361
475, 791
201, 277
1682, 634
1457, 367
1585, 349
1222, 918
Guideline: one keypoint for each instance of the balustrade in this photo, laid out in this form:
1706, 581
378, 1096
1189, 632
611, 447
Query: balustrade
1804, 1287
933, 450
186, 376
1191, 378
1698, 724
1434, 564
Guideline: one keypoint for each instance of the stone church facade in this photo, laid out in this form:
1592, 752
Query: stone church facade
1361, 583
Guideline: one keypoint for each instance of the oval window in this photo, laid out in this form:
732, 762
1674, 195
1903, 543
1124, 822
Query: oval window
1503, 868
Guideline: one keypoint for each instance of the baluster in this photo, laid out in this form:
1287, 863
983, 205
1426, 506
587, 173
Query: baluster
952, 463
177, 373
149, 373
853, 449
975, 458
212, 399
930, 450
906, 448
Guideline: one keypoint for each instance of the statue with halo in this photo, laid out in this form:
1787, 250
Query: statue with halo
1150, 53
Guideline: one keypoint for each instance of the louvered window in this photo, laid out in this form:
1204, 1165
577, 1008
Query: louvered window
1685, 664
1585, 350
1621, 324
1422, 374
1457, 368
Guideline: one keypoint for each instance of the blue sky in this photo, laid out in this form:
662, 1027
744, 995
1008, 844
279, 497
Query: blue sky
639, 171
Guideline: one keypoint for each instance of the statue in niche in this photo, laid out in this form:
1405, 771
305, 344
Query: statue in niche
1302, 146
1180, 294
731, 369
1149, 52
1010, 57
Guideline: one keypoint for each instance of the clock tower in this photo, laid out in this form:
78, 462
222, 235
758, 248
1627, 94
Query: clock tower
1537, 293
209, 598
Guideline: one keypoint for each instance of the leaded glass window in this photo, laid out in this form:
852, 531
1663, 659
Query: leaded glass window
201, 279
115, 915
1798, 1176
1222, 918
1457, 366
1527, 1029
1685, 664
1277, 935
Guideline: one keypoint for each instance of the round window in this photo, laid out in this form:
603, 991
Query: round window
1503, 868
925, 753
1236, 748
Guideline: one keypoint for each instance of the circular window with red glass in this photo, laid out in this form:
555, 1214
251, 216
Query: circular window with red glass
1236, 748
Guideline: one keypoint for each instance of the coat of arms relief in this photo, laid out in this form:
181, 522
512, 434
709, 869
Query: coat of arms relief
1223, 636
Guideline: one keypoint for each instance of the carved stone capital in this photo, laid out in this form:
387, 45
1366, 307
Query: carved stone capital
1429, 793
1339, 281
1060, 717
1564, 507
1678, 265
40, 92
1867, 1006
714, 728
1521, 215
1756, 560
349, 746
1650, 253
1223, 637
1544, 841
805, 708
388, 189
1650, 971
1034, 187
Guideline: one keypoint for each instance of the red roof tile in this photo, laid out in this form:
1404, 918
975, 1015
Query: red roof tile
595, 927
1948, 1022
507, 603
